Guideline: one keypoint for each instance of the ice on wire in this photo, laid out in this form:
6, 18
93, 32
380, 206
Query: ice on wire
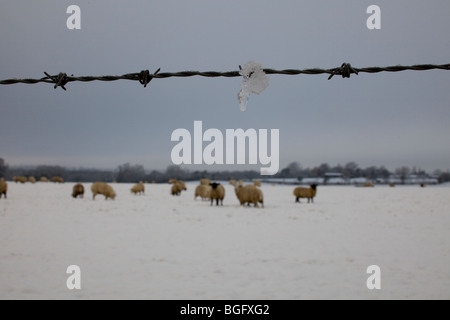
255, 81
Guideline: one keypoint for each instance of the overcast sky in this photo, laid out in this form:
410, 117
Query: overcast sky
390, 119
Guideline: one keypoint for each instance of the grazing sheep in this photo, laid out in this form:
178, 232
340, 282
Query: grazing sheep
203, 191
423, 185
308, 193
58, 180
32, 180
3, 188
369, 185
104, 189
217, 193
248, 194
178, 187
392, 185
43, 179
138, 188
20, 179
78, 191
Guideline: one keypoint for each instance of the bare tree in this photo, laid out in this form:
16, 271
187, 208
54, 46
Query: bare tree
403, 173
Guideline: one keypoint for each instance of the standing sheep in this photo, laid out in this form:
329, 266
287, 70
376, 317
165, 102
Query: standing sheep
203, 191
104, 189
178, 187
3, 188
43, 179
138, 188
20, 179
308, 193
58, 180
78, 191
32, 180
217, 193
248, 194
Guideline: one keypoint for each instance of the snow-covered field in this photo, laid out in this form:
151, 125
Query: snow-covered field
162, 247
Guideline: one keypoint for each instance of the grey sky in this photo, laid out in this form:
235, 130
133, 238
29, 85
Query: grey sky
385, 119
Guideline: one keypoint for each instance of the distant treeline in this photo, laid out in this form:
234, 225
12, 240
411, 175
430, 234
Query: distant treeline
128, 173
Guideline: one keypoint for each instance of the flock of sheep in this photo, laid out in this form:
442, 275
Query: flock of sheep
207, 190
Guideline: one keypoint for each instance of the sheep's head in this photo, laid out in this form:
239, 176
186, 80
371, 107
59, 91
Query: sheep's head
314, 186
214, 185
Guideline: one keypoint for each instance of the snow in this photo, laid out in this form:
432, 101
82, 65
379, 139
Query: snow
162, 247
255, 81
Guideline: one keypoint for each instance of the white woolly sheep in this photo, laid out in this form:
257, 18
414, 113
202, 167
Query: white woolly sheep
43, 179
32, 180
217, 193
78, 191
138, 188
305, 193
205, 182
58, 180
203, 191
178, 187
20, 179
104, 189
3, 188
248, 194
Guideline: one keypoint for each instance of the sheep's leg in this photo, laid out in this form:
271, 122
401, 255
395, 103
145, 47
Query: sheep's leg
93, 197
298, 200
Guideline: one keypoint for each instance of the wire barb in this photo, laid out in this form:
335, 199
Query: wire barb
345, 71
60, 80
144, 77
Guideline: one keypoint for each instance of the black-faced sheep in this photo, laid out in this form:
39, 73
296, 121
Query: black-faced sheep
3, 188
78, 191
104, 189
138, 188
305, 193
248, 194
217, 193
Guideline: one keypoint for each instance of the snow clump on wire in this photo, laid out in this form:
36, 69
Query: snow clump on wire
255, 81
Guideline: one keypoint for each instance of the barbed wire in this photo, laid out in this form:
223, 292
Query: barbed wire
144, 77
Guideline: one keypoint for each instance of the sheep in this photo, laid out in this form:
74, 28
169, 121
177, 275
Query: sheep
203, 191
178, 187
58, 180
217, 193
138, 188
32, 180
20, 179
43, 179
248, 194
104, 189
257, 183
205, 182
78, 191
308, 193
3, 188
423, 185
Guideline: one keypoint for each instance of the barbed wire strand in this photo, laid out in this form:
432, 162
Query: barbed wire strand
144, 77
